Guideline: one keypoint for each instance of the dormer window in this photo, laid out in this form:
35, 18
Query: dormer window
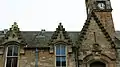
60, 55
12, 56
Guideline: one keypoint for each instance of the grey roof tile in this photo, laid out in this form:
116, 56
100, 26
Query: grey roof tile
33, 40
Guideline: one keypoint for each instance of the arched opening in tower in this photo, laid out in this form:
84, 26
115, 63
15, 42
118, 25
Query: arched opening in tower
97, 64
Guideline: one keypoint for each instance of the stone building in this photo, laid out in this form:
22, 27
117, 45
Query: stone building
96, 45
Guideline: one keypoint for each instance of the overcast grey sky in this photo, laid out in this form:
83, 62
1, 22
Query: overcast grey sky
35, 15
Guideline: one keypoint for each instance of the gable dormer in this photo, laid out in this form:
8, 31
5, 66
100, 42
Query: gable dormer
13, 34
60, 36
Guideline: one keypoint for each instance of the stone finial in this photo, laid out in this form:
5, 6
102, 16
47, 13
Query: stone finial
15, 23
60, 26
42, 32
14, 31
14, 26
60, 23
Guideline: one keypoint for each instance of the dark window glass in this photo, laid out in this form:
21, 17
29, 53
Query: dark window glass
57, 58
63, 50
63, 63
9, 62
12, 56
10, 49
63, 58
58, 50
60, 56
15, 53
14, 62
57, 61
97, 64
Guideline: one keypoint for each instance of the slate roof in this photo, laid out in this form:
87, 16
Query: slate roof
117, 39
42, 38
34, 40
117, 34
30, 38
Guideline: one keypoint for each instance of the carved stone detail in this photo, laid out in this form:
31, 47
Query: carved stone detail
13, 34
60, 35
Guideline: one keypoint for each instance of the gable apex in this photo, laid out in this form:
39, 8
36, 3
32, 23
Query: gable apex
83, 32
60, 35
13, 35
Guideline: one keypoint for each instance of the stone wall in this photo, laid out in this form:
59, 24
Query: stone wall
118, 58
95, 35
1, 61
45, 59
28, 59
107, 21
71, 60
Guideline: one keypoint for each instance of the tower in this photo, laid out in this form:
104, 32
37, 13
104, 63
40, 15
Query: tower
96, 46
102, 9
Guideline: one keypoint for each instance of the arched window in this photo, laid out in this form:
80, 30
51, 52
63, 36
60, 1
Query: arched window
60, 55
97, 64
12, 56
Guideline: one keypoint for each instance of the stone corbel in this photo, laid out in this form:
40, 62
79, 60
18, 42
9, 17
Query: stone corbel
69, 49
22, 51
96, 54
51, 50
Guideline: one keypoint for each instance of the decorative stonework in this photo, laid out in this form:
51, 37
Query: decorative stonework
13, 37
85, 28
94, 42
60, 35
14, 34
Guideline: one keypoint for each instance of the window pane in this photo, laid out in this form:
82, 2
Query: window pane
63, 63
60, 56
10, 49
57, 58
57, 50
57, 61
14, 62
9, 61
15, 53
62, 50
63, 60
